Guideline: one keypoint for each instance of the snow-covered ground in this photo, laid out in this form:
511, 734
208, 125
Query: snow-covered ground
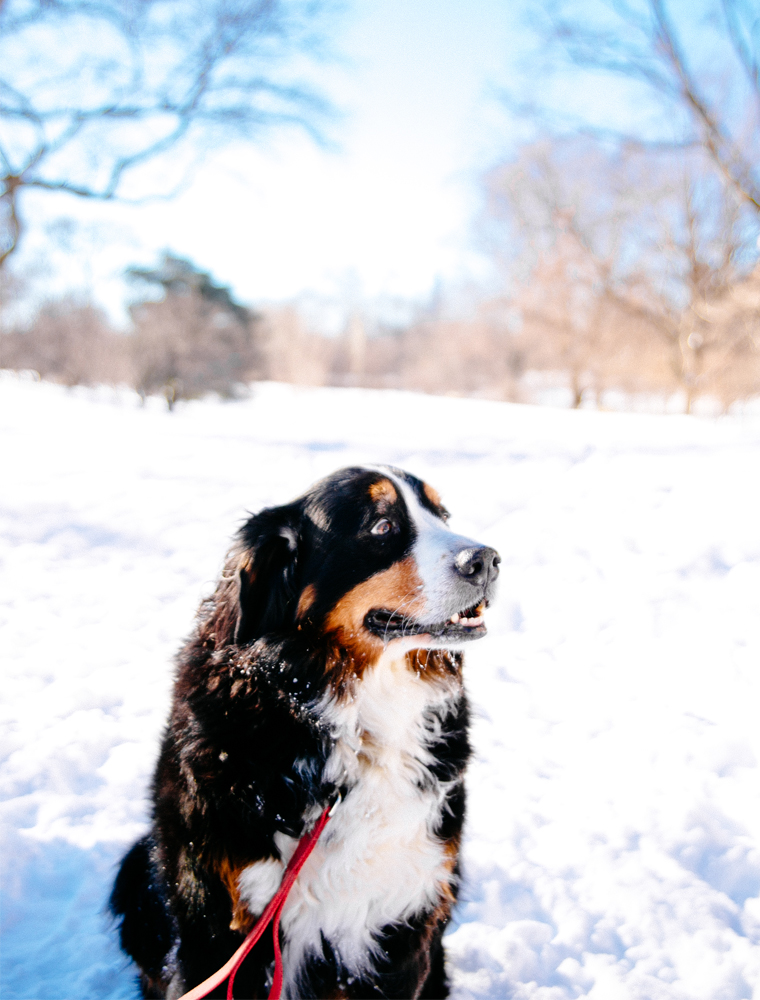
614, 823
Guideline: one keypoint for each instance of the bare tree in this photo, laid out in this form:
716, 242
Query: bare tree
696, 293
669, 233
196, 339
12, 287
467, 357
71, 342
561, 307
293, 353
629, 269
646, 42
564, 210
93, 90
733, 322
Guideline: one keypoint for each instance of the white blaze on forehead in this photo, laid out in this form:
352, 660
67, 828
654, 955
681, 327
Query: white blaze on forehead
434, 551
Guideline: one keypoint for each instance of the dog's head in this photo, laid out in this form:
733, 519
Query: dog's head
366, 559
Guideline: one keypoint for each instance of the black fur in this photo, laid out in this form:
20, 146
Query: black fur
147, 930
244, 753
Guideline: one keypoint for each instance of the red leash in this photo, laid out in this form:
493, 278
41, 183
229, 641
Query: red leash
273, 910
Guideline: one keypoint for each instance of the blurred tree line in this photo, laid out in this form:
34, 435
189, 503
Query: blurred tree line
627, 263
622, 274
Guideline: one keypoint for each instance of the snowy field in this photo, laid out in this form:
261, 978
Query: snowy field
613, 830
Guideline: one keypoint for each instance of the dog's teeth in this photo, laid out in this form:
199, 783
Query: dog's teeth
455, 618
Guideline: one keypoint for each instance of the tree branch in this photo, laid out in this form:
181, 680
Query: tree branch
738, 40
648, 50
14, 222
184, 74
723, 151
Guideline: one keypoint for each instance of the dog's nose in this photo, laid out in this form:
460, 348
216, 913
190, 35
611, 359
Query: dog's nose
478, 566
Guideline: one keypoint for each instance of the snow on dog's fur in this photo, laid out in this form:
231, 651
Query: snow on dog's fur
326, 660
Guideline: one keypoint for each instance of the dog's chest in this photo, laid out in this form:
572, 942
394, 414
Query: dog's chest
378, 861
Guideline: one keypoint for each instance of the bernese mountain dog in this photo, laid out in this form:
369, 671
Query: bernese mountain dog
327, 660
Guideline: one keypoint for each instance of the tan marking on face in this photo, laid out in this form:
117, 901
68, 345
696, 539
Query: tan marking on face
384, 490
308, 597
398, 588
433, 495
229, 872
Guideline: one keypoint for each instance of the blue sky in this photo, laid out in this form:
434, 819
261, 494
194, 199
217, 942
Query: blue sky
387, 212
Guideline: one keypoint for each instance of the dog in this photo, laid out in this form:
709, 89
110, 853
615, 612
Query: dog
328, 660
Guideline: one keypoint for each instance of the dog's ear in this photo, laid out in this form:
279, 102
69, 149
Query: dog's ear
268, 572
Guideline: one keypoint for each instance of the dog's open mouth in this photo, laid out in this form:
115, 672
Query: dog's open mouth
463, 625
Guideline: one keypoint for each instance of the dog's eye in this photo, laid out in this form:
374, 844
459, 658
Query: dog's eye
382, 527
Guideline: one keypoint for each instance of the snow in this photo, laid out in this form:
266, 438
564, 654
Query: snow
612, 838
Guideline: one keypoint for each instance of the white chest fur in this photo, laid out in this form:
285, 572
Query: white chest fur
377, 861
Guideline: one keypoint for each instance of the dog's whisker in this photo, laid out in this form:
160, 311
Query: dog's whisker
406, 602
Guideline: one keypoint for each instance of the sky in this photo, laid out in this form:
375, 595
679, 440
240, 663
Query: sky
384, 213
